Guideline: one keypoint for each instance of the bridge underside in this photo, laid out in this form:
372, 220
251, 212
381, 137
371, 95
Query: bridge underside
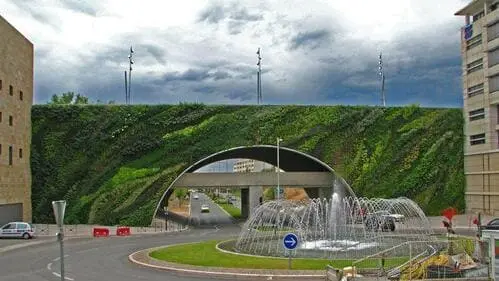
316, 184
237, 180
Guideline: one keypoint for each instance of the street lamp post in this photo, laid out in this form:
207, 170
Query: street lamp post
278, 169
59, 209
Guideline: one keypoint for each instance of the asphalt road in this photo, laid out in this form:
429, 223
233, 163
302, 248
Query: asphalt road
216, 216
97, 259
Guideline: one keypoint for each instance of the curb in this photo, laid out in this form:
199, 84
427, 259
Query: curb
199, 271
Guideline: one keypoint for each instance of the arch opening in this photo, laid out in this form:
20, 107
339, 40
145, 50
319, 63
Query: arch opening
290, 160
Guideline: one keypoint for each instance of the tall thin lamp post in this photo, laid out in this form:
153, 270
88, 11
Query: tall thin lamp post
130, 61
278, 169
59, 209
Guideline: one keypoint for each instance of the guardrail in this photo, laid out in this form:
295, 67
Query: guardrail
88, 230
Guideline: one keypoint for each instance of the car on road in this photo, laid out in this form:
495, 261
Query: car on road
17, 230
205, 208
380, 220
493, 224
196, 196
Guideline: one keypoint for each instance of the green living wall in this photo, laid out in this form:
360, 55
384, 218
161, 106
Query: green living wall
112, 163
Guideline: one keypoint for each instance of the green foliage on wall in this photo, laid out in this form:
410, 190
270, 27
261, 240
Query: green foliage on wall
112, 163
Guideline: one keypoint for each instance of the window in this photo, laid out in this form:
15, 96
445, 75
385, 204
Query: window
493, 83
475, 65
0, 84
11, 90
20, 95
477, 139
10, 155
22, 226
477, 114
0, 117
20, 153
475, 41
0, 149
493, 57
493, 31
477, 89
11, 120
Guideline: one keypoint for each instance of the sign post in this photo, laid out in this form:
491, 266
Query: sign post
59, 210
290, 242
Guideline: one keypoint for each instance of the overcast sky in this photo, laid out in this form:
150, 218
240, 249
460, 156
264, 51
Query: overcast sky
314, 51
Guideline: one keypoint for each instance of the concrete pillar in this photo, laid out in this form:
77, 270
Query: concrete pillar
245, 204
255, 197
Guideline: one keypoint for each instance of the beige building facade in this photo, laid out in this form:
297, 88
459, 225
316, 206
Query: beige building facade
16, 98
480, 68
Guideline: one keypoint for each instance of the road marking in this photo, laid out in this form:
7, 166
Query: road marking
49, 267
58, 258
59, 275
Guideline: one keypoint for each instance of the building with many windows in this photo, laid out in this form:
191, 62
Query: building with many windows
480, 76
16, 98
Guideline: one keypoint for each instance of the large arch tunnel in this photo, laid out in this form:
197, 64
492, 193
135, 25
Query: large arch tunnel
290, 160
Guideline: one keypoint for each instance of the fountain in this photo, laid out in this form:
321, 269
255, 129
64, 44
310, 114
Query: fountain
340, 227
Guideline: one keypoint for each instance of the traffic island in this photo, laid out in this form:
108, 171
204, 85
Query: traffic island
205, 258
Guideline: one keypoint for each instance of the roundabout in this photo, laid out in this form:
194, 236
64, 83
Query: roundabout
208, 258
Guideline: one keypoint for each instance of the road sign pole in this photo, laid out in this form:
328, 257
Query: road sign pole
290, 242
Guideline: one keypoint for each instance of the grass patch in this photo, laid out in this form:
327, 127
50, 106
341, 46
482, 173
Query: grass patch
231, 209
206, 254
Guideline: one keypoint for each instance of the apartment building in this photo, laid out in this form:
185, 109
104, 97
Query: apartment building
16, 98
480, 66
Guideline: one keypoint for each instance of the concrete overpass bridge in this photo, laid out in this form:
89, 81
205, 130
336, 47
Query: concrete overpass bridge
300, 170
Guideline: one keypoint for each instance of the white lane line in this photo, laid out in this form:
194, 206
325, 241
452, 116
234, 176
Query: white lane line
59, 275
49, 267
58, 258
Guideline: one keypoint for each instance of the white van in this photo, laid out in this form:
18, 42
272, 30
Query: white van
17, 230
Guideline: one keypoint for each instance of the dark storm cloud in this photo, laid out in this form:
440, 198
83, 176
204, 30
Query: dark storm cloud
194, 75
311, 39
241, 94
80, 6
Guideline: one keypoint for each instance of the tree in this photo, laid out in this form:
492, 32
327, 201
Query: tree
68, 98
180, 194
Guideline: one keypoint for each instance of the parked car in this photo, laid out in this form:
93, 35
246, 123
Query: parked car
205, 208
17, 230
493, 224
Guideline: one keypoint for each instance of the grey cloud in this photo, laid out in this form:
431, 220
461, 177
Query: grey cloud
155, 51
80, 6
238, 16
311, 39
193, 75
36, 12
212, 14
243, 15
239, 94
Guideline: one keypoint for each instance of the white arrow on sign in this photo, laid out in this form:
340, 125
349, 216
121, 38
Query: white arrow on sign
292, 241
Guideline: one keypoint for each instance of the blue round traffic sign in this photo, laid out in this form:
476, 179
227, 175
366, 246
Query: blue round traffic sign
290, 241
